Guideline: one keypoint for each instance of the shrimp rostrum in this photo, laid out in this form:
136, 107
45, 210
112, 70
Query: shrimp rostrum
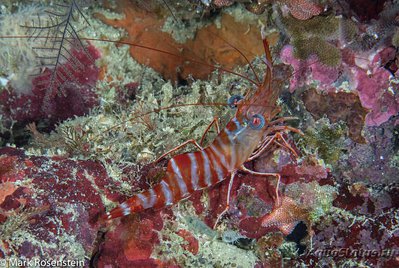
246, 136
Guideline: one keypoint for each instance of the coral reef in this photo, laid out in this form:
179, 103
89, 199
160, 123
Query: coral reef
330, 199
47, 202
375, 95
373, 83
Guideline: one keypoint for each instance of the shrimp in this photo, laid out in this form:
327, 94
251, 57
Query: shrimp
246, 136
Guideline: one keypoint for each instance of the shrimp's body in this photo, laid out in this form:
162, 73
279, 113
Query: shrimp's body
245, 135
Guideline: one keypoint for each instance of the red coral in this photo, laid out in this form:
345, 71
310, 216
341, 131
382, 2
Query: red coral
58, 196
75, 98
139, 246
192, 243
132, 241
252, 227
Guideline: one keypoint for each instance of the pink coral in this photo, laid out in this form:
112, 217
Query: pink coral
373, 87
303, 9
309, 69
363, 70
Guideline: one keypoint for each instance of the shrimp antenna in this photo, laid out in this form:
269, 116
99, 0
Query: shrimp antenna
121, 42
257, 83
173, 55
170, 11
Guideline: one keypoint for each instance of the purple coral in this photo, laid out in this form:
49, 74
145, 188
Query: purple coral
363, 71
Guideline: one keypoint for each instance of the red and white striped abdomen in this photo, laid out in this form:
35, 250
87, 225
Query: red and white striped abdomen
190, 172
185, 174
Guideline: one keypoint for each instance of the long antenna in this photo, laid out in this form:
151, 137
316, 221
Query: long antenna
170, 11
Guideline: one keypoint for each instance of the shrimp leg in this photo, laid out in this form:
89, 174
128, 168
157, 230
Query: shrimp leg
243, 168
233, 174
178, 147
265, 174
268, 141
192, 141
215, 122
264, 145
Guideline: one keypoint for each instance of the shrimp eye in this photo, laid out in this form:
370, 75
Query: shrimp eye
233, 100
257, 122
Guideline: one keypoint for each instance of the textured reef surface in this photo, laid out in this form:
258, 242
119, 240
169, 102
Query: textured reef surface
93, 92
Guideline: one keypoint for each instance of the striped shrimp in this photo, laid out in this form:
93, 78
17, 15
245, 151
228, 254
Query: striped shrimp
246, 136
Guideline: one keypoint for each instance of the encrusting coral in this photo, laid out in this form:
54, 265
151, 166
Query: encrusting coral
338, 106
208, 43
303, 9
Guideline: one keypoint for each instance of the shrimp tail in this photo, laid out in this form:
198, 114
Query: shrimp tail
157, 197
126, 208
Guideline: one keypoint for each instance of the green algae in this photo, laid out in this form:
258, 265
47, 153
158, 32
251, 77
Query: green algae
325, 140
317, 199
312, 36
199, 227
394, 162
212, 251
